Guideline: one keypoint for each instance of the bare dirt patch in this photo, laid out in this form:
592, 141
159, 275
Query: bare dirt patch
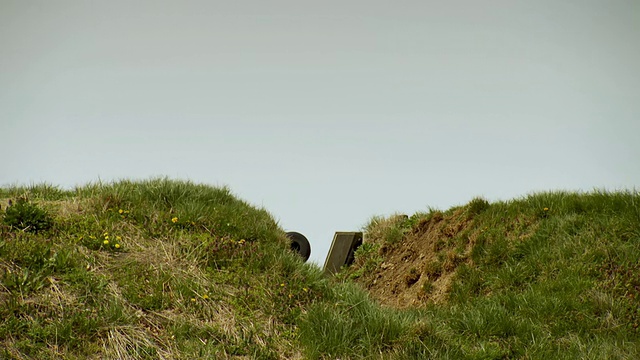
420, 267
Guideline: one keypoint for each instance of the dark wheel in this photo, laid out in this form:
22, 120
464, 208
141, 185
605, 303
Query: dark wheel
300, 244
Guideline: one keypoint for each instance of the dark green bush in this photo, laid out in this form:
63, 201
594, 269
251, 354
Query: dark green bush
476, 206
25, 216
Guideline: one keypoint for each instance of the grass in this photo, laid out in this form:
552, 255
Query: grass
175, 270
153, 269
551, 275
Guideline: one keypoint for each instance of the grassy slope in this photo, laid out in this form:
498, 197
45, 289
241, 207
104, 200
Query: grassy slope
553, 275
199, 273
195, 273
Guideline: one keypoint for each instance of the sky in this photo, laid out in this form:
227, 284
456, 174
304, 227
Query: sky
325, 113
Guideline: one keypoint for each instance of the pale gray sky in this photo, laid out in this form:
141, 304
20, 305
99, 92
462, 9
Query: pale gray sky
325, 112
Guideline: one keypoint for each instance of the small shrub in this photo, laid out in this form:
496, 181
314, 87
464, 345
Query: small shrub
389, 230
367, 260
26, 216
476, 206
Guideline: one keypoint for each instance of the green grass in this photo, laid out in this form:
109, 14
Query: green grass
552, 275
171, 269
149, 269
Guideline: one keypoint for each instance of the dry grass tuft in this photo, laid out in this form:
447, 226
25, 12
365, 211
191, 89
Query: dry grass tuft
132, 342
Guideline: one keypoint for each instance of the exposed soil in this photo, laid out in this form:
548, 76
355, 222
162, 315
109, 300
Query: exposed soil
421, 268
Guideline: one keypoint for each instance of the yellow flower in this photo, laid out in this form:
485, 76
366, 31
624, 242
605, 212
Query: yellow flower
120, 211
117, 246
193, 299
282, 284
305, 289
118, 238
205, 296
174, 220
105, 234
106, 242
546, 209
290, 296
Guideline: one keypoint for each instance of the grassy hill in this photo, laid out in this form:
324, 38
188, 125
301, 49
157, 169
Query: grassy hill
175, 270
552, 275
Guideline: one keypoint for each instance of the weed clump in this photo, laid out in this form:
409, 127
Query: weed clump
477, 206
26, 216
391, 230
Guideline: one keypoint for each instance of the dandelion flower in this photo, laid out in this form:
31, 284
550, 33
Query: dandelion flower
205, 296
174, 220
305, 289
193, 299
282, 284
106, 242
546, 209
120, 211
117, 246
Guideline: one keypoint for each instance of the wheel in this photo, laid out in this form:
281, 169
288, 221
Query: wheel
300, 245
